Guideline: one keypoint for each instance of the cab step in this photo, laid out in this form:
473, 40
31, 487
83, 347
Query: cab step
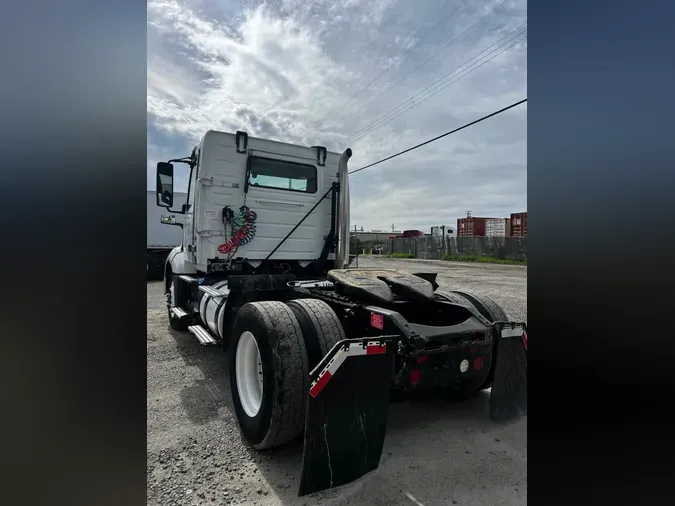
178, 312
202, 335
213, 292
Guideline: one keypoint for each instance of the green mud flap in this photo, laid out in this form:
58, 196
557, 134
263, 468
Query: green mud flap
346, 414
508, 398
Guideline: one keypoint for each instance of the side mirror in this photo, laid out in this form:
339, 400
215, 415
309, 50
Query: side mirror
164, 184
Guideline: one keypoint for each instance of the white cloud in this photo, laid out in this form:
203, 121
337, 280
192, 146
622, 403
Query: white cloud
288, 70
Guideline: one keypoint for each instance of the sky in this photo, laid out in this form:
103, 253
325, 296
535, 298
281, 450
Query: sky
377, 76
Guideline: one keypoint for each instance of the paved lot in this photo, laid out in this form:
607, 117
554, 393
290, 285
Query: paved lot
436, 452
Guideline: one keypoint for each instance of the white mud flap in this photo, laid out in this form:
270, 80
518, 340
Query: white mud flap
508, 398
346, 414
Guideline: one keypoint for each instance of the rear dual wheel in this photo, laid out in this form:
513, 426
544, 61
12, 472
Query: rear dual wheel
320, 327
273, 348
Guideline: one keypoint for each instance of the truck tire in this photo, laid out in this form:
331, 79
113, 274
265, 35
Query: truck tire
174, 322
269, 374
489, 309
320, 327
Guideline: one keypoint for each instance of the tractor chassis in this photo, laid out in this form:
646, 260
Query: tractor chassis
385, 350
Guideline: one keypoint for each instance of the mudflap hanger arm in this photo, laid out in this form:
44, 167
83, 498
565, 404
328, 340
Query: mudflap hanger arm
347, 412
417, 336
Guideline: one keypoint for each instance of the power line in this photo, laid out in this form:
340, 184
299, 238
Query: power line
437, 86
421, 64
384, 160
442, 135
395, 62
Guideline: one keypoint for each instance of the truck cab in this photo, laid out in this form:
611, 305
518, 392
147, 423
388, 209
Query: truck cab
245, 195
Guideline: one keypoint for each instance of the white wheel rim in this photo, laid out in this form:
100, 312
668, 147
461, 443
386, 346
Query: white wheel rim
249, 374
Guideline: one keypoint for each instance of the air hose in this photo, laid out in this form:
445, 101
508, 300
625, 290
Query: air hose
243, 228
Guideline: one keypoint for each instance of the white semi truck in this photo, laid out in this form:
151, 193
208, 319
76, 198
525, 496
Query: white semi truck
315, 346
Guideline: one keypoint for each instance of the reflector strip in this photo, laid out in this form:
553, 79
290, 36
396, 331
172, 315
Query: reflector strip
372, 348
377, 320
524, 336
376, 349
321, 382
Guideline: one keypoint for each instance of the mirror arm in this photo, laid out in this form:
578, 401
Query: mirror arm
191, 161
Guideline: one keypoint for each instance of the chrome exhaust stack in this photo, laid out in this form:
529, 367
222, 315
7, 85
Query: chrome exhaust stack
342, 255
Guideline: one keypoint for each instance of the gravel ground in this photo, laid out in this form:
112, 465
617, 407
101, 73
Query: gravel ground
435, 453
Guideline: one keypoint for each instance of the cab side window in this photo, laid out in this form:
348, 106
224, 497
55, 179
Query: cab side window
282, 175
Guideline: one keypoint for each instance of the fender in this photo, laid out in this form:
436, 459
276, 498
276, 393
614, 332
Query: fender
176, 264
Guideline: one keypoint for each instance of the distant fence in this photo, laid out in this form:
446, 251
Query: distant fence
435, 248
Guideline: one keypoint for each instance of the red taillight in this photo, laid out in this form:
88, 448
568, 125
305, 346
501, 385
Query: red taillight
478, 363
414, 377
525, 340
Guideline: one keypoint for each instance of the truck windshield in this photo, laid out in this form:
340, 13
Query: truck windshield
282, 175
